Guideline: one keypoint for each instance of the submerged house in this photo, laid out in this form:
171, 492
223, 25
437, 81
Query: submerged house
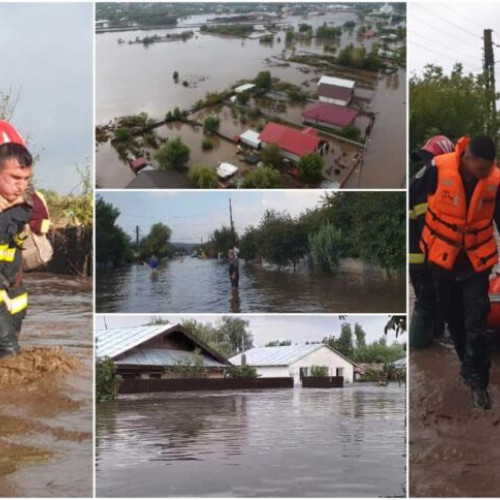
297, 361
293, 143
334, 90
156, 351
329, 115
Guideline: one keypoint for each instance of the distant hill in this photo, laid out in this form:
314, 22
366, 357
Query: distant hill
187, 246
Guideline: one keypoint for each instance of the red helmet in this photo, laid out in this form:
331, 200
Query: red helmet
9, 134
437, 145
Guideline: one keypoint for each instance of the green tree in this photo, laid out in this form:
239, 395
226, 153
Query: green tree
223, 239
326, 247
261, 178
360, 335
345, 344
211, 124
271, 155
319, 371
263, 80
249, 243
157, 241
174, 154
279, 343
242, 372
106, 380
204, 177
234, 331
311, 167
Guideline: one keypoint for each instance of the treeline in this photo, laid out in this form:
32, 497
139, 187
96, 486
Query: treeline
454, 105
367, 226
150, 14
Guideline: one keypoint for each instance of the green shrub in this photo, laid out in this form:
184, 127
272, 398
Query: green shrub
242, 371
106, 380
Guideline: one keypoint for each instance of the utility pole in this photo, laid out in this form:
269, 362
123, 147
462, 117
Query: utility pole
231, 216
489, 73
137, 236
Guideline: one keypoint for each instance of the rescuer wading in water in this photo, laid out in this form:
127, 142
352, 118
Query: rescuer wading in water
460, 250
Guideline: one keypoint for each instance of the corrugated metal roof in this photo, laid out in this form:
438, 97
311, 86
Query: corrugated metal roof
337, 82
275, 356
116, 341
165, 357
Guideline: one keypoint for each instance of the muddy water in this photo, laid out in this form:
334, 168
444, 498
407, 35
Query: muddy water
278, 443
131, 79
46, 394
454, 448
197, 286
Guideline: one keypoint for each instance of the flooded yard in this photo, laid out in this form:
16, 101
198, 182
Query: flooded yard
46, 419
347, 442
197, 286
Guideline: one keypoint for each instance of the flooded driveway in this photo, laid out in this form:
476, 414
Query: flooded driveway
454, 448
281, 443
46, 405
197, 286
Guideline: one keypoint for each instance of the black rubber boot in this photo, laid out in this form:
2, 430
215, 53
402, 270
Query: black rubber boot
481, 398
6, 351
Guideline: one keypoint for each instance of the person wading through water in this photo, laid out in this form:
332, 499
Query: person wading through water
460, 250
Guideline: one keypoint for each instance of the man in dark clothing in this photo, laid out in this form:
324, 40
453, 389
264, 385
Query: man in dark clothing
459, 247
234, 271
16, 203
425, 325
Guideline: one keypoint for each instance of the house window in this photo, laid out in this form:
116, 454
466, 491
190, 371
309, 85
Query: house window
155, 375
303, 371
340, 372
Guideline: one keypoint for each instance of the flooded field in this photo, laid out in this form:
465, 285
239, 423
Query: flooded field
122, 90
454, 448
196, 286
281, 443
46, 394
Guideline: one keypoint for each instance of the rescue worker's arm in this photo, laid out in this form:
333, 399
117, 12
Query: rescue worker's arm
496, 215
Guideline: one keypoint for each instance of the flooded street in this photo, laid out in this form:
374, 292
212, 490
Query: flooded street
454, 448
282, 443
46, 418
197, 286
123, 90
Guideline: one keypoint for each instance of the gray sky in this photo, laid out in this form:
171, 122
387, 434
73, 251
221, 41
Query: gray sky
297, 328
47, 51
195, 215
446, 33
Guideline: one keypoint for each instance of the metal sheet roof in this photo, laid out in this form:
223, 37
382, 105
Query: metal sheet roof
166, 357
116, 341
337, 82
275, 356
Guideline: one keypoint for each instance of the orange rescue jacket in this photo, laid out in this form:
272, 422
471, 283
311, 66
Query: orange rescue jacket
451, 226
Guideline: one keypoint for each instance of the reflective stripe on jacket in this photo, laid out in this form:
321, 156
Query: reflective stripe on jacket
451, 226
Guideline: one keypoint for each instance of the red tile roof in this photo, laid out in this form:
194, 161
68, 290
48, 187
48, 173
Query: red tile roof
331, 114
333, 92
294, 141
138, 164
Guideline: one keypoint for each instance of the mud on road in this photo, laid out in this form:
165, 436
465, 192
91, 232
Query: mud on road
454, 448
46, 394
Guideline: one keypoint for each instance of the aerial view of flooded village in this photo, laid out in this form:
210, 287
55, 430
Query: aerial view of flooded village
251, 95
250, 406
242, 251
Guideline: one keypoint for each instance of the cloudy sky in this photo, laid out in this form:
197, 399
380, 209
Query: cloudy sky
265, 328
447, 33
193, 216
47, 53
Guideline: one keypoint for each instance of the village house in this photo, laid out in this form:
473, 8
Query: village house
328, 115
156, 351
296, 361
293, 144
338, 91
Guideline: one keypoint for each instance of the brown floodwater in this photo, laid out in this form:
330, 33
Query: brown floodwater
46, 394
348, 442
131, 79
454, 448
202, 286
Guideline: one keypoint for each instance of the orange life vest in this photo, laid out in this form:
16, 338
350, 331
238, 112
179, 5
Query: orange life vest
451, 226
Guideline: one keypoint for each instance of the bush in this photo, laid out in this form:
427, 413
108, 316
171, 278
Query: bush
174, 154
106, 380
261, 178
319, 371
326, 247
242, 371
203, 177
206, 144
311, 167
211, 124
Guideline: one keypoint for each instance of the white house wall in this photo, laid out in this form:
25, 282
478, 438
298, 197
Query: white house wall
338, 102
325, 357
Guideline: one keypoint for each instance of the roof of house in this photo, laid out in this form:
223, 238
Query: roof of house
289, 139
340, 93
119, 341
331, 114
280, 355
244, 87
336, 82
251, 137
166, 357
225, 170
